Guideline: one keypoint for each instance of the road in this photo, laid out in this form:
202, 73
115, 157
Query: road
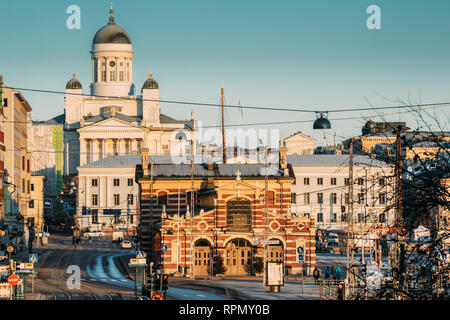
105, 275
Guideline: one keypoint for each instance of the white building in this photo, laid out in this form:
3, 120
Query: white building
300, 143
114, 119
108, 194
321, 190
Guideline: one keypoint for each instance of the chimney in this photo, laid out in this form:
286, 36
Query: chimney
144, 154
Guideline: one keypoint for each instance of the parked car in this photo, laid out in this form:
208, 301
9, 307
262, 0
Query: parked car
94, 234
126, 245
333, 239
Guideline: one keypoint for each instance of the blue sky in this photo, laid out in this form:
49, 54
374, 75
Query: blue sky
316, 55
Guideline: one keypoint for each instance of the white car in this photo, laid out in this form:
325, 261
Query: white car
126, 244
94, 234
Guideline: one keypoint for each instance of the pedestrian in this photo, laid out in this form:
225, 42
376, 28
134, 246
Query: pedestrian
338, 273
341, 250
328, 273
73, 241
90, 239
316, 275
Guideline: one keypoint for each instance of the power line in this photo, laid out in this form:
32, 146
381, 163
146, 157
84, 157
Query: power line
233, 106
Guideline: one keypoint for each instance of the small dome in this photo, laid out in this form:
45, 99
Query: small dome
369, 124
112, 33
150, 83
74, 83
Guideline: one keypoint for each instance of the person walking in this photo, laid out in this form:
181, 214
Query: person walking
341, 250
338, 273
316, 275
328, 273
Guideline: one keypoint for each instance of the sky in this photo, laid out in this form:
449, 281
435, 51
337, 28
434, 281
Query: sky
305, 55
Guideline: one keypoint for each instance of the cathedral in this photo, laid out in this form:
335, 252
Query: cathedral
112, 119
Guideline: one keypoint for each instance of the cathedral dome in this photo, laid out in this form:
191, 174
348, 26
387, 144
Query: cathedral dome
74, 83
112, 33
369, 124
150, 83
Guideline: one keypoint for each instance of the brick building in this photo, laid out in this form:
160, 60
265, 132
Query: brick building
224, 233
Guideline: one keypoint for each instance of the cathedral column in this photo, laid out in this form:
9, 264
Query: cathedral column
83, 152
94, 150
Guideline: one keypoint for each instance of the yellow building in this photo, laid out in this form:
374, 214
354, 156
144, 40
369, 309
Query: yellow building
36, 204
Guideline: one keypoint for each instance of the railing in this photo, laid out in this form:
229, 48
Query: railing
328, 288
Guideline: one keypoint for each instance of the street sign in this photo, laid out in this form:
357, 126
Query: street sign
33, 258
256, 240
266, 242
5, 290
140, 254
157, 296
13, 280
47, 203
29, 266
163, 248
300, 252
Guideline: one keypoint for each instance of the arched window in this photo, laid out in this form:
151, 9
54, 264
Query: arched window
239, 215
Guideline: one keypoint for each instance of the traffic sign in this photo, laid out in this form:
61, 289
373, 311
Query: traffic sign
13, 280
256, 240
47, 203
157, 296
144, 298
2, 233
33, 258
163, 248
29, 266
140, 255
300, 252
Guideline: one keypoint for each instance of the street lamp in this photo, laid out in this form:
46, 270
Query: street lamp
322, 121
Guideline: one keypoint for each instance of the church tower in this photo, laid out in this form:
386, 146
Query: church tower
112, 61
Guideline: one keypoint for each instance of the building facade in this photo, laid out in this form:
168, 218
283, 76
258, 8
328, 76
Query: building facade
225, 232
36, 203
321, 190
115, 119
17, 166
300, 143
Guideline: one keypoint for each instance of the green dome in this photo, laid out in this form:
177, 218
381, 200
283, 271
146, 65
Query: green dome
150, 83
74, 83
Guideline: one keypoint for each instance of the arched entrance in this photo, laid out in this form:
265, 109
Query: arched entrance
202, 257
238, 257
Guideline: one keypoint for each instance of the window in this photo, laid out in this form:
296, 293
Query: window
23, 185
382, 182
130, 199
333, 181
239, 214
382, 218
306, 198
343, 217
162, 198
31, 204
28, 186
360, 217
95, 182
95, 199
320, 217
116, 182
320, 198
320, 181
293, 198
130, 182
360, 181
112, 76
23, 163
360, 198
121, 76
117, 199
28, 166
382, 198
306, 181
104, 75
347, 181
32, 187
5, 102
334, 217
333, 197
95, 216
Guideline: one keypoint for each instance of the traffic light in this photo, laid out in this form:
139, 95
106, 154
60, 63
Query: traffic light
340, 291
165, 282
156, 281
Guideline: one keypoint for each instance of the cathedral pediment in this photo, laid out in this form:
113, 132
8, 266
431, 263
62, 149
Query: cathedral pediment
112, 125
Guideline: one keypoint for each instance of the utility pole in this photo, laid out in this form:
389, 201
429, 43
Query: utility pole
191, 271
266, 212
399, 246
350, 217
224, 148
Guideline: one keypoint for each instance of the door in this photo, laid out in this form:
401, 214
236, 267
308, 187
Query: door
238, 258
202, 261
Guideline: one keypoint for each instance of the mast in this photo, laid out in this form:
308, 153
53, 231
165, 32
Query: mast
224, 148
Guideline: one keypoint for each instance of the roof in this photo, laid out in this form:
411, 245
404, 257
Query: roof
333, 160
165, 119
126, 161
56, 120
117, 115
220, 170
112, 33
